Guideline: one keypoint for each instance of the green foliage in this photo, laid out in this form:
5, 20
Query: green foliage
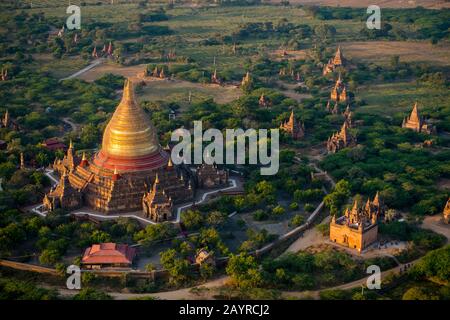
435, 264
305, 271
297, 220
155, 232
333, 295
192, 219
256, 239
338, 196
425, 239
416, 293
244, 272
91, 294
12, 289
179, 269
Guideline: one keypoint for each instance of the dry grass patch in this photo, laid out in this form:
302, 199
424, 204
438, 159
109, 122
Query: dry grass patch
382, 51
431, 4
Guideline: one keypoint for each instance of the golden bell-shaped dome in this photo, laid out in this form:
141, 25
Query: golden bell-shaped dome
129, 133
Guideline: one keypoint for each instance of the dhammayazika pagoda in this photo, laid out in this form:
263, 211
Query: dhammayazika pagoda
358, 227
131, 172
417, 123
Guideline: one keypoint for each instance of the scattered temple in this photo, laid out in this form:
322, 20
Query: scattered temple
116, 179
156, 73
263, 101
69, 162
294, 128
358, 227
4, 74
215, 79
333, 63
7, 122
157, 204
334, 109
446, 212
348, 115
417, 123
246, 79
339, 92
107, 51
209, 176
64, 196
341, 139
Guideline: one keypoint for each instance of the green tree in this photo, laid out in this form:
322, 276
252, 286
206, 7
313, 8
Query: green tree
91, 294
244, 271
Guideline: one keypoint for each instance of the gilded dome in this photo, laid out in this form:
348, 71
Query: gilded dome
129, 133
130, 141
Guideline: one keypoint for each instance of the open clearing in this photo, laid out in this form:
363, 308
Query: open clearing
178, 90
382, 51
390, 98
433, 4
173, 90
59, 68
99, 71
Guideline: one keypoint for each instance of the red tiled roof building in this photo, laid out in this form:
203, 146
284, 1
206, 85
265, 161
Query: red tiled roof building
108, 254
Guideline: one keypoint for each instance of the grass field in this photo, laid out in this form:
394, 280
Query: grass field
433, 4
382, 51
105, 68
391, 98
178, 91
58, 68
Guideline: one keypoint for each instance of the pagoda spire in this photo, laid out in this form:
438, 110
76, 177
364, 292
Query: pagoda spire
376, 200
415, 114
128, 92
291, 117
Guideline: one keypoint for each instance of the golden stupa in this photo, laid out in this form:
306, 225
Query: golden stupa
129, 141
125, 168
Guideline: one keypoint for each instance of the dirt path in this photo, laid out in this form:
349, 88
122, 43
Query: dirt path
182, 294
71, 124
436, 224
309, 238
84, 70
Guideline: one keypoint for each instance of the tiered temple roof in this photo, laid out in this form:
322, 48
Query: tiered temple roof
295, 128
360, 219
64, 196
209, 176
348, 115
333, 63
68, 163
417, 123
339, 92
157, 204
340, 140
